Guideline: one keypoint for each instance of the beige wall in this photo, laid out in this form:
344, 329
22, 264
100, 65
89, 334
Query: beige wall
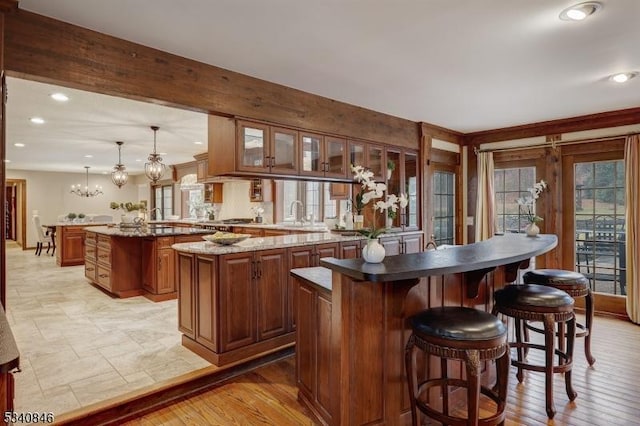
48, 192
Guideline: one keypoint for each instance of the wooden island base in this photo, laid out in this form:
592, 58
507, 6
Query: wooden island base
240, 354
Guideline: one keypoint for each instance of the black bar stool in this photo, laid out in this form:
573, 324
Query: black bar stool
465, 334
532, 302
575, 285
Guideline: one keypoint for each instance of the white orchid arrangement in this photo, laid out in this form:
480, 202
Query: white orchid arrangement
528, 202
371, 190
257, 210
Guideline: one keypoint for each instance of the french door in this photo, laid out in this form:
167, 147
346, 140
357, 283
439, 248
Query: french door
593, 226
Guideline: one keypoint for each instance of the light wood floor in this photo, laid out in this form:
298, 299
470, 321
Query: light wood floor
607, 392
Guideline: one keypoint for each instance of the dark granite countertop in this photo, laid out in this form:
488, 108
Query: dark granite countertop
9, 355
497, 251
148, 231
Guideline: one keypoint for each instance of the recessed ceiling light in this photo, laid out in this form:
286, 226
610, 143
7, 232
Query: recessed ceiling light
138, 160
580, 11
19, 145
7, 161
198, 143
60, 97
623, 77
37, 120
88, 156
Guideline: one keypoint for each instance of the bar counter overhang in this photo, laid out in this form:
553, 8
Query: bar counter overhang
370, 304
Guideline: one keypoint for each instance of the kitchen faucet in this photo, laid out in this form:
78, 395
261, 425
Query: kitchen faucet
152, 211
294, 213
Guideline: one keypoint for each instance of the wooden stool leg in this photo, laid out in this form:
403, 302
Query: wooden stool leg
571, 337
503, 364
518, 325
561, 340
549, 342
588, 325
410, 367
445, 390
472, 359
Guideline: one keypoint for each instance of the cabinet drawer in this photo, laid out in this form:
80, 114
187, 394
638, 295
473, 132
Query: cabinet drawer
104, 255
104, 240
104, 277
90, 270
91, 238
90, 253
164, 242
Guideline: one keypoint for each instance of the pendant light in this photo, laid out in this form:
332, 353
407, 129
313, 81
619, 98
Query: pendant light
154, 169
77, 189
119, 175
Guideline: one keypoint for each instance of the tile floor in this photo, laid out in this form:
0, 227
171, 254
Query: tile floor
78, 345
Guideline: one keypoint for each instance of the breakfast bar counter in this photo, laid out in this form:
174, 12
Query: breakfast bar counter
361, 327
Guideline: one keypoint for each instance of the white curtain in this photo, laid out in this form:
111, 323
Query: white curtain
632, 223
485, 203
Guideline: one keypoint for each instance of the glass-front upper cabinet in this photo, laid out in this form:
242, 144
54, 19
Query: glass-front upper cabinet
323, 156
368, 155
356, 154
266, 149
410, 216
253, 147
394, 181
283, 152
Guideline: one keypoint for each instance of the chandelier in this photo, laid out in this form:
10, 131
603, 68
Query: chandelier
77, 189
119, 175
154, 169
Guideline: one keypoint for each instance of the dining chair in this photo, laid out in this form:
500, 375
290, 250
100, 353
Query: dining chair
42, 237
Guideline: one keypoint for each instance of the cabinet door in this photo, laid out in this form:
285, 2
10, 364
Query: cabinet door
312, 161
411, 244
283, 151
186, 294
376, 161
237, 301
202, 170
253, 147
299, 257
325, 363
213, 193
394, 181
306, 342
335, 157
326, 250
410, 215
166, 270
392, 245
206, 286
149, 264
350, 250
72, 249
357, 155
271, 270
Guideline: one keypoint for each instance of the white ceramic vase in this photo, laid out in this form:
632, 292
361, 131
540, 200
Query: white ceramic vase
532, 230
373, 252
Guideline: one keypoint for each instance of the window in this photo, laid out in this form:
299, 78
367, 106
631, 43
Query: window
315, 198
163, 200
443, 201
509, 185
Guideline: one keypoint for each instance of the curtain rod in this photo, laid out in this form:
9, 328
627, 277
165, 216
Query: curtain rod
552, 144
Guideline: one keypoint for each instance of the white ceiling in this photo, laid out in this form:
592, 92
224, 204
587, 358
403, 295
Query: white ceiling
467, 65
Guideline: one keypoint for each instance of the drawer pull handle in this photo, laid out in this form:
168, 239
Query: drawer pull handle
103, 275
90, 269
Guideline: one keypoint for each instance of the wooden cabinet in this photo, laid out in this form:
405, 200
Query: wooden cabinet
350, 250
70, 245
314, 360
267, 149
254, 232
402, 244
304, 257
213, 192
158, 268
202, 166
324, 156
260, 190
116, 265
369, 155
403, 179
233, 306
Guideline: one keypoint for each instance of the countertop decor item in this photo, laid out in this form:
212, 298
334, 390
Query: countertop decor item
527, 207
225, 238
369, 191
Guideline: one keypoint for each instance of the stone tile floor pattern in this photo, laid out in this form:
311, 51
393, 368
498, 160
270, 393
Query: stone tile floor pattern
78, 345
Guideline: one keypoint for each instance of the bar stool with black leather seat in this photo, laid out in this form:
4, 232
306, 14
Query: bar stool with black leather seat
465, 334
533, 302
575, 285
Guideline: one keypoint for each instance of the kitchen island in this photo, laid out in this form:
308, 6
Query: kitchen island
350, 353
135, 261
236, 302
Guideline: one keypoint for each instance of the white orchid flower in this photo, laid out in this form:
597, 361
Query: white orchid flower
404, 201
381, 205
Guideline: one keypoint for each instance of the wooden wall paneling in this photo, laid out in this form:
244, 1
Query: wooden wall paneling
186, 294
206, 296
555, 127
48, 50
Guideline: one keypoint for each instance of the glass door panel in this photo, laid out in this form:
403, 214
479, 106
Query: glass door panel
376, 163
356, 154
335, 158
312, 161
599, 224
394, 183
284, 151
253, 149
411, 189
